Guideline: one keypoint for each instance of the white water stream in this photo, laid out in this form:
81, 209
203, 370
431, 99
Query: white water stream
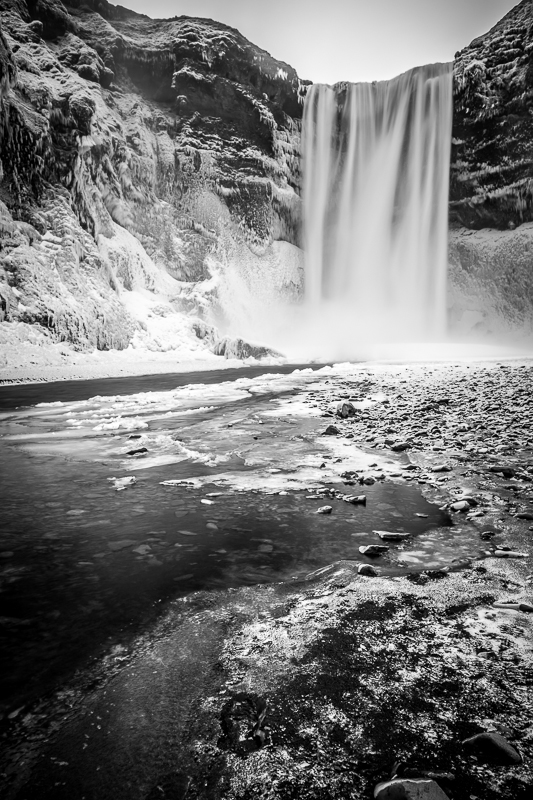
376, 167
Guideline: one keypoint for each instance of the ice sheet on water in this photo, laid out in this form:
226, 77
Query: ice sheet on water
116, 423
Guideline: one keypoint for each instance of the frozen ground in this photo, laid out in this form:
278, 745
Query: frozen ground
356, 671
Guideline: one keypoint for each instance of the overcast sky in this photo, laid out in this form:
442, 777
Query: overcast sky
351, 40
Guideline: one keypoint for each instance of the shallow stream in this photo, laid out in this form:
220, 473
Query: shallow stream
111, 505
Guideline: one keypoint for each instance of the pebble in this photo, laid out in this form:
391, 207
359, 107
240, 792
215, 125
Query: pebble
325, 510
525, 515
137, 452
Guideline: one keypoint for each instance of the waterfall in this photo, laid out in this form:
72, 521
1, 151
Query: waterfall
376, 160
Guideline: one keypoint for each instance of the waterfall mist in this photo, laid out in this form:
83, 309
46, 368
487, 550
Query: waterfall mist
376, 163
376, 160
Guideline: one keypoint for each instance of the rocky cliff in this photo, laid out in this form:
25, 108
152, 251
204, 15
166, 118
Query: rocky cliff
491, 181
137, 158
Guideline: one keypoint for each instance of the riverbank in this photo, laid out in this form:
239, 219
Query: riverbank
59, 363
318, 688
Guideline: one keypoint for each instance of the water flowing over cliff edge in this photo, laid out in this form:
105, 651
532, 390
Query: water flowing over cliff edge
151, 181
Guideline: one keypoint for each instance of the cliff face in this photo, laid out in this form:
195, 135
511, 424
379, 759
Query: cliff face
491, 181
137, 156
492, 160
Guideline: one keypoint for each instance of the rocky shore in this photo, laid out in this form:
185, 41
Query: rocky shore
327, 687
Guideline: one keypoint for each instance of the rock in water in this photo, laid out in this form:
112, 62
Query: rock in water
409, 789
392, 536
373, 550
355, 500
492, 748
368, 570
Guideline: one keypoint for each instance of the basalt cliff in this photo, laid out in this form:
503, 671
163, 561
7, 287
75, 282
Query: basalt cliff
148, 167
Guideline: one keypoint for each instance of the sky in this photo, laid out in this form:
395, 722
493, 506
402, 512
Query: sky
346, 40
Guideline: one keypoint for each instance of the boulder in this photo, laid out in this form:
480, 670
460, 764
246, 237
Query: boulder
409, 789
345, 409
367, 570
492, 748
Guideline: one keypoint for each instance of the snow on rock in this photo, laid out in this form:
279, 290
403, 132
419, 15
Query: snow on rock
491, 282
131, 151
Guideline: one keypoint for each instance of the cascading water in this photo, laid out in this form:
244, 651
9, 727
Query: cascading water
376, 174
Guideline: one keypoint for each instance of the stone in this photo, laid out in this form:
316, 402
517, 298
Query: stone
331, 430
503, 469
393, 536
525, 515
373, 549
137, 452
325, 510
367, 570
345, 409
526, 607
509, 554
441, 468
492, 748
356, 500
399, 447
460, 505
409, 789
